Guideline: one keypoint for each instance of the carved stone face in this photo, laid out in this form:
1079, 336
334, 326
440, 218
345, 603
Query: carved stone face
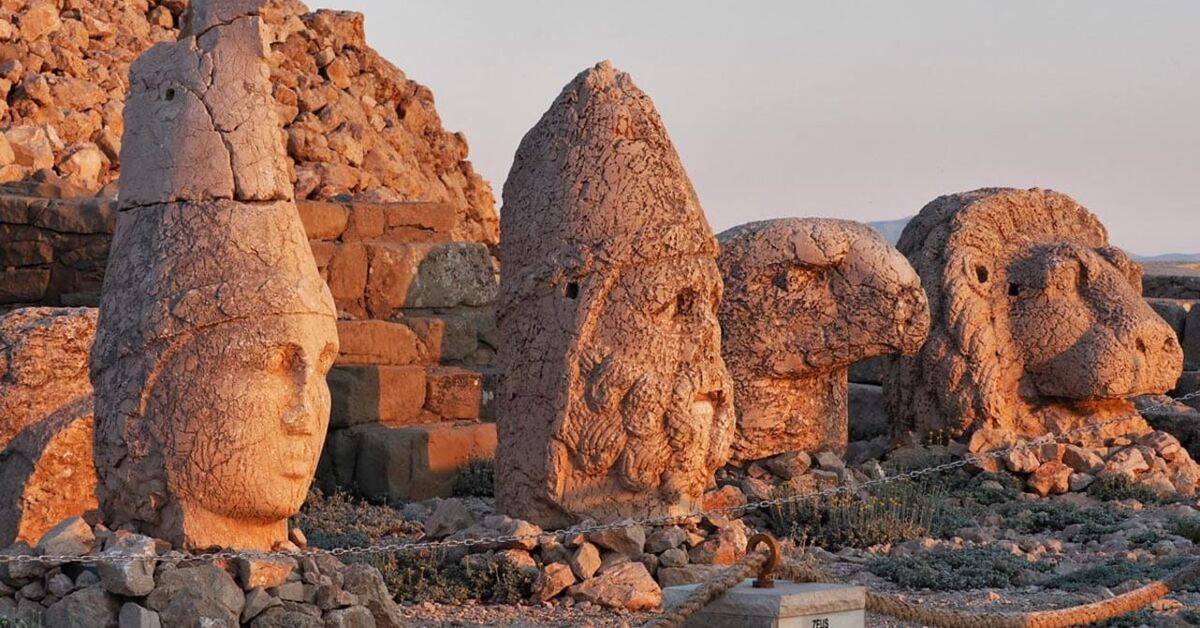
1072, 306
805, 298
655, 403
246, 414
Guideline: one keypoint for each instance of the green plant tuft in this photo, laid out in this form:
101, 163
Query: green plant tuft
889, 513
427, 576
1119, 487
476, 479
953, 570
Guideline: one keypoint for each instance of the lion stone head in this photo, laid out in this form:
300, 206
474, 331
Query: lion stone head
804, 299
1038, 323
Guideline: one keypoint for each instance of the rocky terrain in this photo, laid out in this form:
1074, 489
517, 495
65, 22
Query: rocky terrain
355, 125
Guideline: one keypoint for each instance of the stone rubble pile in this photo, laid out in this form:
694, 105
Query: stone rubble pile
355, 124
268, 591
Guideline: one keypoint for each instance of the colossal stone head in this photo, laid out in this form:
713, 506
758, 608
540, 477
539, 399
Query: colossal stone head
804, 299
614, 400
1037, 322
215, 330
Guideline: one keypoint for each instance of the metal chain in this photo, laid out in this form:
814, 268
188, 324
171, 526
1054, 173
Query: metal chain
847, 488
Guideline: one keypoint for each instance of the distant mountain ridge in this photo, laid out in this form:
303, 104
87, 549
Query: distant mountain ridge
891, 230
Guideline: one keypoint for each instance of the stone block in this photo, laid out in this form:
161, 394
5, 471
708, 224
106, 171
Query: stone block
787, 604
23, 285
338, 460
376, 394
454, 393
868, 417
322, 220
1174, 311
1191, 338
388, 343
419, 222
346, 274
428, 275
458, 334
418, 462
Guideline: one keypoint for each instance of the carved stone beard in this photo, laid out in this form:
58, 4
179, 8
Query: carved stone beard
670, 431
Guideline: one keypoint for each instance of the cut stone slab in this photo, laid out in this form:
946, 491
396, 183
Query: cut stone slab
454, 393
392, 395
788, 604
384, 342
418, 462
428, 275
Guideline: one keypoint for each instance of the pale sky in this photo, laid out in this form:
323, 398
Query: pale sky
857, 110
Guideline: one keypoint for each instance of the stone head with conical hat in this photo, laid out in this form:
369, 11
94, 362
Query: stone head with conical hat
215, 330
614, 400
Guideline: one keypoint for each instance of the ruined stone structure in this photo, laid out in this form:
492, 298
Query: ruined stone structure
215, 331
615, 400
805, 298
1037, 323
46, 472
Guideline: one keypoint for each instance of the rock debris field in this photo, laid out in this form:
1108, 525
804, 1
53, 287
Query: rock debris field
254, 298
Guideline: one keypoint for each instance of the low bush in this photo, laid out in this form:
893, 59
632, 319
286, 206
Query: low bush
953, 570
476, 479
1119, 487
341, 520
415, 578
888, 513
1056, 516
1118, 571
1187, 527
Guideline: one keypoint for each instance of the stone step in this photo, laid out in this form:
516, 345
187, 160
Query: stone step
404, 463
403, 395
416, 221
375, 279
415, 341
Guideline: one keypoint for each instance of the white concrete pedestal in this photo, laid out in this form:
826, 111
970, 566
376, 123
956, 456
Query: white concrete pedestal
789, 604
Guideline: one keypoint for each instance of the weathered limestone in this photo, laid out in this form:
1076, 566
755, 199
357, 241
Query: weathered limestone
46, 472
1038, 324
614, 400
215, 330
805, 298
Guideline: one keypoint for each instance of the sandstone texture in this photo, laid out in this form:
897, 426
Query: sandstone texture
1037, 322
355, 125
215, 331
615, 401
46, 471
805, 298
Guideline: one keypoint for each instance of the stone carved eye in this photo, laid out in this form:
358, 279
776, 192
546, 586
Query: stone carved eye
981, 273
1014, 289
685, 302
572, 290
170, 95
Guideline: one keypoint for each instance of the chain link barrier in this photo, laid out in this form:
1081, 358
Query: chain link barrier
735, 512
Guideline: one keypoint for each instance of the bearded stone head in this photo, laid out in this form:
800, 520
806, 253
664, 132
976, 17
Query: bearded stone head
804, 299
1038, 323
614, 401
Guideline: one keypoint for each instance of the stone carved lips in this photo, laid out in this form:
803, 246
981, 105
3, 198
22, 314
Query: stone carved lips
804, 299
1037, 322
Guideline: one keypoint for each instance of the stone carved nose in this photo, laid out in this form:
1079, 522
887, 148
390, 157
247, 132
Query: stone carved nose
299, 419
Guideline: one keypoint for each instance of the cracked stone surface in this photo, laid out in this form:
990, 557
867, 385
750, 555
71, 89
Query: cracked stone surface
215, 331
1037, 322
615, 400
199, 121
804, 299
46, 472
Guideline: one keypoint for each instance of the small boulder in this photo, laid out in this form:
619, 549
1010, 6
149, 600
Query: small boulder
367, 583
1082, 460
92, 607
629, 540
628, 586
552, 580
351, 617
201, 593
585, 561
71, 537
263, 571
134, 616
1052, 478
789, 464
449, 517
131, 578
662, 539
